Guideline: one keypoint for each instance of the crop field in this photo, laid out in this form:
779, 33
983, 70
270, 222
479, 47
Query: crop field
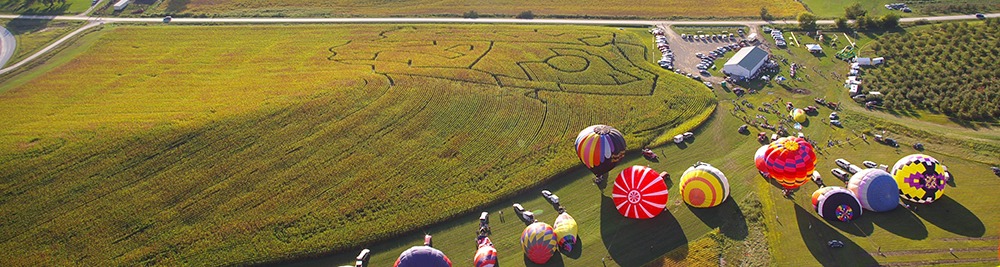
760, 227
32, 35
39, 7
958, 76
223, 145
504, 8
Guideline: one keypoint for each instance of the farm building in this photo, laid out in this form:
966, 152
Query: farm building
120, 5
746, 62
814, 48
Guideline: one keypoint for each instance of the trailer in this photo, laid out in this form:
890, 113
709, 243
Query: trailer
121, 4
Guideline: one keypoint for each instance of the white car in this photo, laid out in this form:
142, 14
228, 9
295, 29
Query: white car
552, 198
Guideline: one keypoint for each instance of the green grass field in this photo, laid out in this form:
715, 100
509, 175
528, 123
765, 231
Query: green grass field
238, 144
835, 8
774, 231
504, 8
38, 7
32, 35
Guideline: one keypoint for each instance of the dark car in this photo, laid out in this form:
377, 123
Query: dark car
980, 16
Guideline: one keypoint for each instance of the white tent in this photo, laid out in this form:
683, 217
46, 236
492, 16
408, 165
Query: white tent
814, 48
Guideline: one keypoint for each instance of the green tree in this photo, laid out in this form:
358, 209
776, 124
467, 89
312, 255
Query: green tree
807, 20
854, 11
889, 21
472, 14
526, 15
841, 23
764, 15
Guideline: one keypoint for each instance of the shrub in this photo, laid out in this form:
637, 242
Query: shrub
472, 14
854, 11
526, 15
807, 20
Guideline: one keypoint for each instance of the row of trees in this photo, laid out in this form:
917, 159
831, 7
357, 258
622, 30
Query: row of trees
949, 68
853, 12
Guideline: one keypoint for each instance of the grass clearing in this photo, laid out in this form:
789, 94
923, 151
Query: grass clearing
503, 8
33, 35
835, 8
158, 145
40, 8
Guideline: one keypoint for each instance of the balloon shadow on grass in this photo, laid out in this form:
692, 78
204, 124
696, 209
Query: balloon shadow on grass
728, 217
556, 260
577, 249
859, 226
951, 216
633, 242
900, 221
816, 233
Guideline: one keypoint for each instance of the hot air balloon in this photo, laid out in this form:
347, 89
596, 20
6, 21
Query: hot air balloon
422, 256
921, 178
539, 242
639, 193
798, 115
758, 160
486, 256
565, 229
600, 148
836, 203
876, 190
790, 161
704, 186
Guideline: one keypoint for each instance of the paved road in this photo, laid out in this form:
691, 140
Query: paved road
48, 48
96, 21
7, 45
459, 20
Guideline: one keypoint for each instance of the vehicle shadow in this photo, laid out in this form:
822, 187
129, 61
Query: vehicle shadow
953, 217
632, 242
816, 233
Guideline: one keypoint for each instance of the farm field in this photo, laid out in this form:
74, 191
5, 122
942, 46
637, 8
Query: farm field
32, 35
965, 219
504, 8
38, 7
835, 8
958, 79
179, 145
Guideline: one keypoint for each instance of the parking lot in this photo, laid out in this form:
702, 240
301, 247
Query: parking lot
685, 50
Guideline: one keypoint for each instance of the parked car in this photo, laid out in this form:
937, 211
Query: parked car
840, 174
522, 214
869, 164
842, 163
709, 84
853, 169
980, 16
835, 243
688, 135
363, 258
835, 123
552, 198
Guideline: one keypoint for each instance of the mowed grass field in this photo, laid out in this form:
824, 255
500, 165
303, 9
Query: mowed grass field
835, 8
760, 226
32, 35
505, 8
196, 145
38, 7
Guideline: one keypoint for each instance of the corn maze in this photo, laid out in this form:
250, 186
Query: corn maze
191, 145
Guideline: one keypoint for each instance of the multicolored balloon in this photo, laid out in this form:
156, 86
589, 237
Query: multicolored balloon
486, 256
790, 161
759, 160
876, 190
836, 203
565, 229
704, 186
539, 242
600, 148
639, 193
798, 115
921, 178
422, 256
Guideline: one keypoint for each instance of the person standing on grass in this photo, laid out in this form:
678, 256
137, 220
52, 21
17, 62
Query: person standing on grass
501, 216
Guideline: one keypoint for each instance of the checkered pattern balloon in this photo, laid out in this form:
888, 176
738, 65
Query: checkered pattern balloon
921, 178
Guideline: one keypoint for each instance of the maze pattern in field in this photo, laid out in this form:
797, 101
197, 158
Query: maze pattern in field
590, 62
188, 145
